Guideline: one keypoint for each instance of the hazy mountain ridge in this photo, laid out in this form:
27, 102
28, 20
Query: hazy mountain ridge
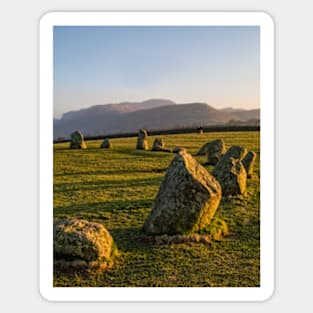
151, 114
116, 108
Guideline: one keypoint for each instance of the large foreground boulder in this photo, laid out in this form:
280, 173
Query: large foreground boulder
231, 175
77, 141
187, 199
215, 150
80, 243
106, 144
158, 145
248, 162
142, 140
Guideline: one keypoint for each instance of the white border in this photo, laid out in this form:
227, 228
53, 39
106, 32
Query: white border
267, 156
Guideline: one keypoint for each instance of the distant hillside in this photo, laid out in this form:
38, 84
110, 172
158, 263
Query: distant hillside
113, 109
151, 114
243, 115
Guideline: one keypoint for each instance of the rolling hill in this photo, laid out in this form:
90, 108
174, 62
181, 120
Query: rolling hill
154, 114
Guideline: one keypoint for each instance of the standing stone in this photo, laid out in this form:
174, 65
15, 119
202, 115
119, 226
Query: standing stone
248, 162
187, 199
142, 140
106, 144
203, 149
231, 175
215, 150
77, 141
236, 152
179, 149
80, 243
158, 145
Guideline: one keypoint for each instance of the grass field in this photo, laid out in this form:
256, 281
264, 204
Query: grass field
116, 187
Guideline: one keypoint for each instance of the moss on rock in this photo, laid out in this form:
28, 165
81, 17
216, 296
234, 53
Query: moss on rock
215, 150
231, 175
187, 199
79, 243
236, 152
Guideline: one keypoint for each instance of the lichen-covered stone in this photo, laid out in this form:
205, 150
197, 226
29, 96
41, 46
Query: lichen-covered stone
215, 150
106, 144
231, 175
187, 199
77, 141
77, 242
158, 145
203, 149
142, 140
248, 162
236, 152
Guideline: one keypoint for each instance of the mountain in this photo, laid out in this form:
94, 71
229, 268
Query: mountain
115, 108
242, 114
151, 114
232, 110
173, 116
96, 119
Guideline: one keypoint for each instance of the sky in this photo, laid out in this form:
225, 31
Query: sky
218, 65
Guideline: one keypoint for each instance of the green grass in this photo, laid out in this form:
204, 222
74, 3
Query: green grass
116, 187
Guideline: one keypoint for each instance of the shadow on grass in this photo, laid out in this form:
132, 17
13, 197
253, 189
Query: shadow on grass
114, 172
118, 206
100, 184
146, 153
131, 239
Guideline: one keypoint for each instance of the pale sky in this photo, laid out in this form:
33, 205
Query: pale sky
218, 65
